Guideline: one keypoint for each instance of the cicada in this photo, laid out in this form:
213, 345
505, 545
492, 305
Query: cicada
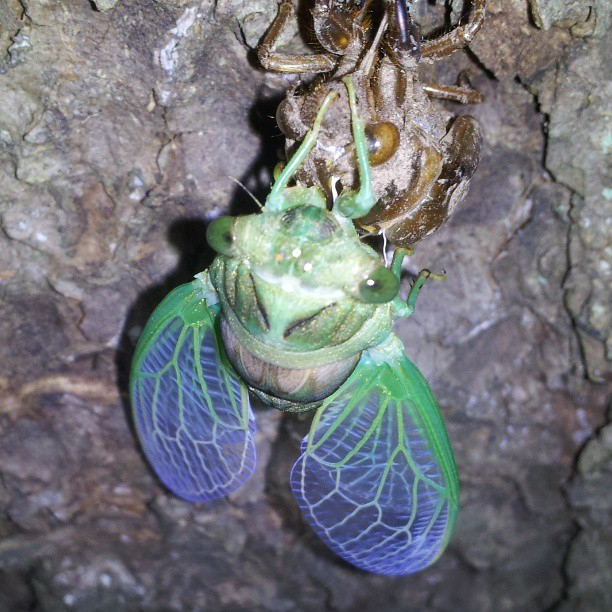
298, 310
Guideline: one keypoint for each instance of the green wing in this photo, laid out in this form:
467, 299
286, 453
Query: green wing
377, 479
191, 411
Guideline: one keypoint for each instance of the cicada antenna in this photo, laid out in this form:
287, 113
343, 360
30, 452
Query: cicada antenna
259, 204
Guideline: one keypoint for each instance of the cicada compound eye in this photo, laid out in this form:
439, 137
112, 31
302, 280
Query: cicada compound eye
220, 235
383, 141
381, 286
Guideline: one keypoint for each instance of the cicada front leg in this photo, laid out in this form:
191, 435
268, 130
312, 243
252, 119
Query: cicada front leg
353, 204
396, 206
191, 411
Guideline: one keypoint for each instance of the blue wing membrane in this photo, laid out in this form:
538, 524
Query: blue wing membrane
191, 411
376, 479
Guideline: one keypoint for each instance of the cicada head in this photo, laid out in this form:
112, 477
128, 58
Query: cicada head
300, 282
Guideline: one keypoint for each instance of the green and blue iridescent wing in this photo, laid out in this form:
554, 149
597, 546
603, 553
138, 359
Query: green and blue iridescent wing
191, 411
377, 479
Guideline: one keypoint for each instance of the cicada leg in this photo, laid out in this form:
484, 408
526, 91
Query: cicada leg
395, 206
354, 204
405, 309
280, 198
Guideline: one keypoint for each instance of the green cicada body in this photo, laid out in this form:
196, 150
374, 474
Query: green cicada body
296, 309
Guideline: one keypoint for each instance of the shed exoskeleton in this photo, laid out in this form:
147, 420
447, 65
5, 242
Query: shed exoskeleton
421, 167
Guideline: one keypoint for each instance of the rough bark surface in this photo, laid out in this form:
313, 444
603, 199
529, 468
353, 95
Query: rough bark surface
120, 125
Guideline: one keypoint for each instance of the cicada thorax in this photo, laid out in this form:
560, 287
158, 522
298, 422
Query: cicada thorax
293, 351
267, 311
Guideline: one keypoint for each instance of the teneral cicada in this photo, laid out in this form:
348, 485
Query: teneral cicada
298, 310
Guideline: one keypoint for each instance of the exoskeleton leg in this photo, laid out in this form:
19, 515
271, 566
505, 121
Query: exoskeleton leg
405, 47
456, 93
458, 38
462, 92
403, 40
285, 62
